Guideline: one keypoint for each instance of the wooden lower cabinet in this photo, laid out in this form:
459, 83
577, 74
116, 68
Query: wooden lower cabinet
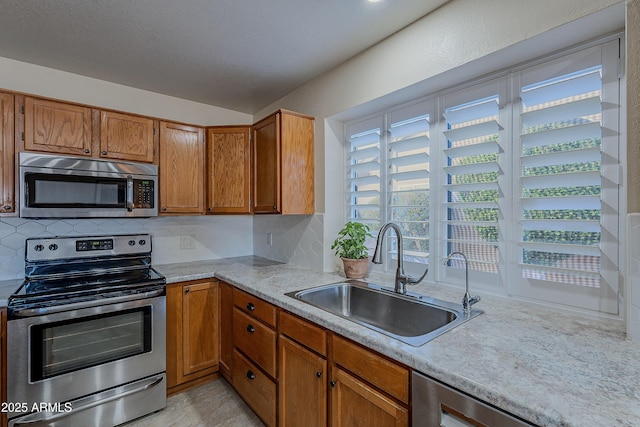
295, 373
354, 403
226, 331
255, 354
302, 386
193, 338
255, 387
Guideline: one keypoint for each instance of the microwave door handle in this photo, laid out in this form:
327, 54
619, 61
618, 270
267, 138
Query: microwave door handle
129, 193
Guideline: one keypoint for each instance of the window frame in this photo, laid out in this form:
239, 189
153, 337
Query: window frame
505, 282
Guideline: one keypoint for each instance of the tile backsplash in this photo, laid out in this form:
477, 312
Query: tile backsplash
294, 239
175, 239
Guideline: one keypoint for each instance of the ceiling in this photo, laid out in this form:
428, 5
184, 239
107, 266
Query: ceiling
237, 54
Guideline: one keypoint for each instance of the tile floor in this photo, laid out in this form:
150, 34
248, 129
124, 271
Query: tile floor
211, 404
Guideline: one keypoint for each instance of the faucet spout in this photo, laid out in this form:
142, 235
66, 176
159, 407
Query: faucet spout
402, 279
467, 300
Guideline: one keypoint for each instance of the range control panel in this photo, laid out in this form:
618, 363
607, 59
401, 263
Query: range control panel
94, 245
53, 248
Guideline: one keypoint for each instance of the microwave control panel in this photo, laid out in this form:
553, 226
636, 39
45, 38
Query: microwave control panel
143, 194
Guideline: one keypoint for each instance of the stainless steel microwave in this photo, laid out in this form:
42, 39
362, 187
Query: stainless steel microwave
74, 187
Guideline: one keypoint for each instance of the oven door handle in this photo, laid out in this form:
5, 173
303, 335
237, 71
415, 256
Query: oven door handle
43, 420
41, 311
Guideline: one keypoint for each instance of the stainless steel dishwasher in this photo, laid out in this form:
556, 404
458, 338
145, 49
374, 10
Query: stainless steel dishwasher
437, 405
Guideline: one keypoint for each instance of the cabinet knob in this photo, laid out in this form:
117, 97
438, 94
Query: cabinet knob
319, 374
251, 375
275, 208
6, 208
87, 151
251, 329
251, 307
187, 290
104, 153
332, 383
164, 209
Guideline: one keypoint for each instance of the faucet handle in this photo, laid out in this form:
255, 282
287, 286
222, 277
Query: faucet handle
468, 301
410, 280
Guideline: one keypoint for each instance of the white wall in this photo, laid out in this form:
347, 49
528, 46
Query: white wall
461, 40
48, 82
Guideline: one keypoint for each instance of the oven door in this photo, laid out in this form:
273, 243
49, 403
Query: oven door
60, 357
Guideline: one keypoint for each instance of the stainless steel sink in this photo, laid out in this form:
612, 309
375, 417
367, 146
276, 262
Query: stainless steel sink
414, 319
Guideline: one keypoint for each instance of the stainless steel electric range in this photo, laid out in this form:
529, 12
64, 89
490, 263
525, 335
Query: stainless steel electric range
86, 333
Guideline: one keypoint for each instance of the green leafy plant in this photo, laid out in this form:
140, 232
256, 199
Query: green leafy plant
350, 241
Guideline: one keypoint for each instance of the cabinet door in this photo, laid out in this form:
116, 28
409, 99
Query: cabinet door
7, 152
302, 387
181, 169
229, 170
355, 404
56, 127
266, 168
226, 330
126, 137
297, 181
200, 320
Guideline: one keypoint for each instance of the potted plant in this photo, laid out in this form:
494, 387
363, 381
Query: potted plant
350, 247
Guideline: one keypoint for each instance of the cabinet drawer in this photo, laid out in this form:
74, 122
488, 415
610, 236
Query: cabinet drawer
303, 332
256, 340
258, 390
255, 307
379, 371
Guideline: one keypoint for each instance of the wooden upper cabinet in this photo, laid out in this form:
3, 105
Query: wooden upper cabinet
7, 152
126, 137
266, 170
56, 127
283, 170
181, 170
229, 170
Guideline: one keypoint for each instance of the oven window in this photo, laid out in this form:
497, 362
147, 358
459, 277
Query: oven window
71, 345
69, 191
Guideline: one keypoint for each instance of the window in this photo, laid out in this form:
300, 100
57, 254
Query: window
388, 178
526, 169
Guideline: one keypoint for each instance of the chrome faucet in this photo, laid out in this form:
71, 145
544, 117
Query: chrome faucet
467, 300
402, 279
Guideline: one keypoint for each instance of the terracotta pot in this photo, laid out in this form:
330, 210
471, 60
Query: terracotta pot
355, 268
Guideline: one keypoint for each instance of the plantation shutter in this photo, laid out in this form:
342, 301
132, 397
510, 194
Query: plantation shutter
408, 179
565, 181
363, 172
472, 128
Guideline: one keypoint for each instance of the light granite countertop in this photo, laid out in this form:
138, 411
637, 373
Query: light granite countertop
545, 366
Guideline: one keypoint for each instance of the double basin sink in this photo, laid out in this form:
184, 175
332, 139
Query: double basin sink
413, 319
